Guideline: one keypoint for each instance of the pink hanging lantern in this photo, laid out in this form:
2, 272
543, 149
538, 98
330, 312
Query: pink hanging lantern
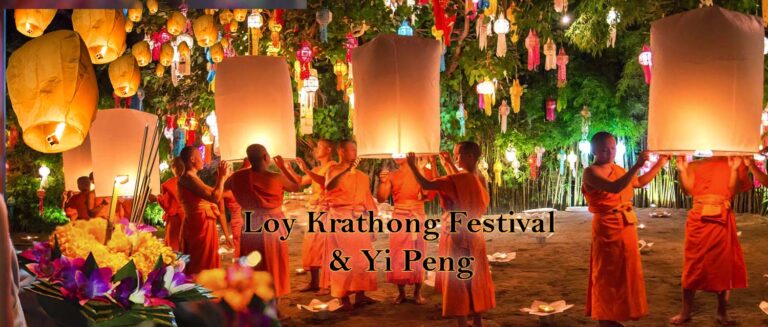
304, 56
158, 39
645, 59
350, 44
532, 166
562, 61
533, 46
551, 105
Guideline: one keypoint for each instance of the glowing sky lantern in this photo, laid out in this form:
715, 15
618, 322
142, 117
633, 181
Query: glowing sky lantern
33, 22
76, 163
103, 31
205, 31
176, 23
613, 18
125, 76
716, 104
397, 96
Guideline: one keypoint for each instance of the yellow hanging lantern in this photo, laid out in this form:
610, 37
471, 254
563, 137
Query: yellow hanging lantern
176, 23
205, 31
224, 42
159, 70
103, 31
275, 27
232, 26
225, 16
166, 54
213, 85
134, 14
240, 14
516, 92
340, 69
141, 51
128, 26
217, 53
183, 49
209, 11
152, 6
125, 76
33, 22
53, 91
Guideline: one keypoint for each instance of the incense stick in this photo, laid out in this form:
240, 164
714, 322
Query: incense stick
138, 171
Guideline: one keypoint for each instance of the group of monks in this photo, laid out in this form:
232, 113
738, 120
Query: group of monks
713, 260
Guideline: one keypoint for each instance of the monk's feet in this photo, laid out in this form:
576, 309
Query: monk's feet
323, 292
609, 323
310, 288
346, 304
399, 299
362, 299
680, 319
420, 300
723, 320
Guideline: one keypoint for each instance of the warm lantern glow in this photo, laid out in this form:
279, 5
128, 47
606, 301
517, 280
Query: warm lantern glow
141, 51
128, 26
33, 22
77, 163
217, 53
254, 104
255, 20
397, 96
205, 31
125, 76
176, 23
183, 50
152, 6
103, 31
166, 54
159, 70
134, 14
698, 101
225, 16
240, 14
51, 82
119, 156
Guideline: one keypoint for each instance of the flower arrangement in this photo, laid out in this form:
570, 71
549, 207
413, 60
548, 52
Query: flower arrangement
247, 294
133, 278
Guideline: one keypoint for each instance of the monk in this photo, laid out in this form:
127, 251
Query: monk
75, 206
169, 201
616, 289
463, 192
199, 237
713, 260
348, 195
313, 250
260, 191
408, 198
236, 223
100, 206
447, 161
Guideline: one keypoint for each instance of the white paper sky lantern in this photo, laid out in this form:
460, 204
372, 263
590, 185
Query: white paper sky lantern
254, 104
116, 137
707, 83
77, 163
397, 96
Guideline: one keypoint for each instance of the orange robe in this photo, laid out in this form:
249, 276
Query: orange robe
77, 208
263, 196
236, 220
174, 214
351, 198
408, 198
313, 246
713, 257
616, 289
201, 239
465, 192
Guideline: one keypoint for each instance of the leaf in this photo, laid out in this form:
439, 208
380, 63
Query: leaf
56, 251
127, 319
159, 264
129, 270
90, 264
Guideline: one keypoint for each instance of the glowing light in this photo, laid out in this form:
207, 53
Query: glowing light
44, 172
511, 154
164, 166
566, 19
585, 146
255, 20
613, 17
572, 158
121, 179
252, 259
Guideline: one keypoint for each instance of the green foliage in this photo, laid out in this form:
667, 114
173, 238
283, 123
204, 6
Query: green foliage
153, 215
55, 216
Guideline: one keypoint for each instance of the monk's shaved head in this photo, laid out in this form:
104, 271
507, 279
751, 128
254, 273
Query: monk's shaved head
257, 155
469, 148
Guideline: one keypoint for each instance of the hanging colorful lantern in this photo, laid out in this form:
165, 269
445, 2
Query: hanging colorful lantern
646, 61
621, 149
461, 115
304, 56
516, 92
103, 31
166, 55
585, 148
339, 69
561, 159
225, 16
275, 27
612, 19
482, 32
159, 70
511, 156
255, 22
205, 31
512, 24
240, 14
572, 162
562, 62
561, 5
533, 169
503, 113
210, 11
349, 44
485, 91
405, 29
128, 26
497, 169
185, 58
156, 42
533, 47
152, 6
562, 100
54, 116
501, 27
307, 103
135, 13
176, 23
550, 107
232, 26
33, 22
550, 55
125, 76
141, 51
539, 151
323, 18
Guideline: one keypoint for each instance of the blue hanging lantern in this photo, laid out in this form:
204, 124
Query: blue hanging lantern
405, 29
323, 18
442, 59
483, 4
561, 158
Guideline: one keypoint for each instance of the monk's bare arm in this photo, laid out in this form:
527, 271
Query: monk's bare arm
756, 172
596, 180
436, 184
333, 182
646, 178
686, 174
385, 188
309, 175
294, 175
195, 185
93, 207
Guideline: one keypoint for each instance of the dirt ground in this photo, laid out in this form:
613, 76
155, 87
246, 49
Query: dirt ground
558, 270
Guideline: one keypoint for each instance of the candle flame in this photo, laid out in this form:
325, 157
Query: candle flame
28, 27
121, 179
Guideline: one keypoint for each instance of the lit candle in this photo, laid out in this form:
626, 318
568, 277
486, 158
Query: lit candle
321, 307
641, 226
300, 271
545, 308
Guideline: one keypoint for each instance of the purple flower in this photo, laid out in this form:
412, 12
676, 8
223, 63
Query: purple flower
175, 281
154, 286
130, 228
76, 285
39, 251
121, 294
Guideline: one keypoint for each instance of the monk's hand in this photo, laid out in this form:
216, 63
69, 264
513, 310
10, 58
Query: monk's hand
411, 159
749, 161
663, 159
445, 156
302, 165
152, 198
681, 163
734, 162
642, 158
279, 161
223, 170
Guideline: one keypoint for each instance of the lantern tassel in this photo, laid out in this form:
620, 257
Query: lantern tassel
501, 45
482, 33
